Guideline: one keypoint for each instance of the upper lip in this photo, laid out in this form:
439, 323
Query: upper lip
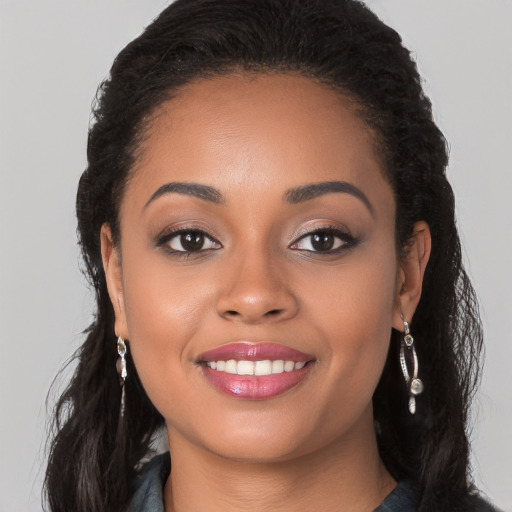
250, 351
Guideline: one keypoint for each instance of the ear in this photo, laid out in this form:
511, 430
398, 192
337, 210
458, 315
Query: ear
410, 275
114, 277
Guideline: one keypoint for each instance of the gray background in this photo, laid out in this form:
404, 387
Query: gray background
53, 53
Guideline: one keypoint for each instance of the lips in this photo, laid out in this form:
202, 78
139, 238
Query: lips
255, 371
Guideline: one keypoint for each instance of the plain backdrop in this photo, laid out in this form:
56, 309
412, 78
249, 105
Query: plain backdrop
53, 54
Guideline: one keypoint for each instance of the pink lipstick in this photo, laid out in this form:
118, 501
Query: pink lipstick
255, 371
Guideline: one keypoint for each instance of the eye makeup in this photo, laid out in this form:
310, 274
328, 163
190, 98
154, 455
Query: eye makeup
187, 240
326, 240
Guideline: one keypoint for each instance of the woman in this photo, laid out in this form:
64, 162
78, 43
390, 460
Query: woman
267, 224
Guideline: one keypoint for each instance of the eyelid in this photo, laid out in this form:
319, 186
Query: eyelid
167, 235
342, 233
311, 228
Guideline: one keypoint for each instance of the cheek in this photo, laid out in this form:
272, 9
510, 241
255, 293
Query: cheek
164, 312
354, 310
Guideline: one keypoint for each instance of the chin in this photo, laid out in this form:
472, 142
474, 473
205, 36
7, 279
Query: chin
269, 452
263, 439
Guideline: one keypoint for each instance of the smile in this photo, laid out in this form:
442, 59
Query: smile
255, 371
265, 367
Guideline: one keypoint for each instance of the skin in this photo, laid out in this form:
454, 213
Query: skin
253, 138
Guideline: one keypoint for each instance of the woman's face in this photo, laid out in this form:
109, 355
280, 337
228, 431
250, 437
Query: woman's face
257, 227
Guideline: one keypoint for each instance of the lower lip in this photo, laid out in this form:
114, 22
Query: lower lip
251, 387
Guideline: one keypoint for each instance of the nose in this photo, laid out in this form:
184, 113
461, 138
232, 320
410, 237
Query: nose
256, 290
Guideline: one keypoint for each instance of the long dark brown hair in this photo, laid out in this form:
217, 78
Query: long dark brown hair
94, 457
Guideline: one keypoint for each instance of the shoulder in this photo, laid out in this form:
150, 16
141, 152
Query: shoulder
149, 485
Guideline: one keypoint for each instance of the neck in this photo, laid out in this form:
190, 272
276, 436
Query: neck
347, 474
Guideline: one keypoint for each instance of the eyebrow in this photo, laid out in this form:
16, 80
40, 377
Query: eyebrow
292, 196
307, 192
204, 192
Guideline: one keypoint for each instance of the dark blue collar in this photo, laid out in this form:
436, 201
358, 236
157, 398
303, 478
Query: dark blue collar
149, 489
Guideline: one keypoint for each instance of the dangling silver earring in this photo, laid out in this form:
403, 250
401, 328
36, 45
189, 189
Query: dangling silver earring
408, 353
121, 370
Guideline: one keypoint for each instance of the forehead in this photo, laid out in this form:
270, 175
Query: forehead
255, 132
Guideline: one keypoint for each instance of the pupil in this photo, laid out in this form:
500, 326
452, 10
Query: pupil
322, 241
192, 241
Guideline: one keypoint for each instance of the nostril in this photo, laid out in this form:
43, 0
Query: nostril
269, 314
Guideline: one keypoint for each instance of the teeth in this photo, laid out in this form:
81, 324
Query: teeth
245, 368
289, 366
231, 366
265, 367
278, 366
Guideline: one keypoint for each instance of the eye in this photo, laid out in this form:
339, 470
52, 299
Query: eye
324, 240
188, 241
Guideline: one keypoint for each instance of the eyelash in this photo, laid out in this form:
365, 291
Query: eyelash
164, 240
347, 240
